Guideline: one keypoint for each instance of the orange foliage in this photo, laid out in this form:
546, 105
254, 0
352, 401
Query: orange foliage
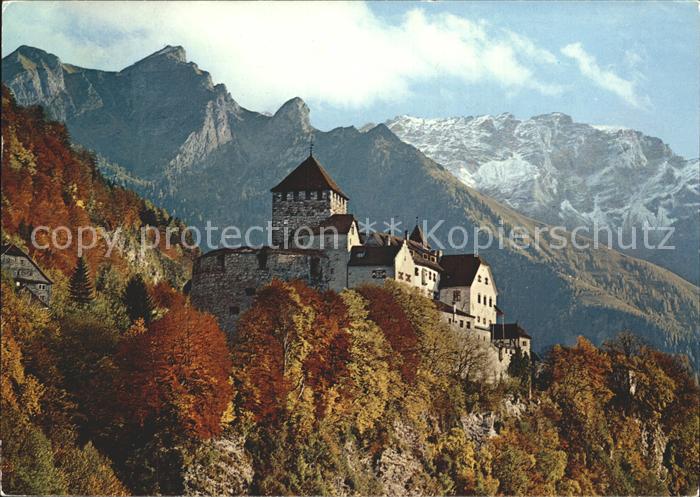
176, 371
287, 318
48, 183
397, 328
165, 296
260, 350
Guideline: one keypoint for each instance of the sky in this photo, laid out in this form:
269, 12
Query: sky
629, 64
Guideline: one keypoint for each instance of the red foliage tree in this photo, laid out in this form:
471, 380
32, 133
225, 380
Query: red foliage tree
176, 371
397, 328
263, 337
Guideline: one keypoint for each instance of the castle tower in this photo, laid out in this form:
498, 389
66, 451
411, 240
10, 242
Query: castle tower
305, 198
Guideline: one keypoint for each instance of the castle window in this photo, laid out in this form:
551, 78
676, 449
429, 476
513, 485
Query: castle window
379, 273
315, 264
478, 319
478, 298
479, 278
250, 292
408, 277
417, 272
469, 325
461, 323
486, 281
456, 296
490, 302
400, 275
234, 310
262, 259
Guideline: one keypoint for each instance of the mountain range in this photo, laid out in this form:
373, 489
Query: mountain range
162, 127
573, 174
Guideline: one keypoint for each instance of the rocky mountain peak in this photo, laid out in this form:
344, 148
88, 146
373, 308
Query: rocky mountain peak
554, 117
165, 58
294, 113
176, 53
30, 58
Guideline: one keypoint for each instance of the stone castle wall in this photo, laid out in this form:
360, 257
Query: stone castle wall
224, 282
293, 210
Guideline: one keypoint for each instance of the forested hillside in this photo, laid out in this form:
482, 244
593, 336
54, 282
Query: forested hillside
46, 182
358, 393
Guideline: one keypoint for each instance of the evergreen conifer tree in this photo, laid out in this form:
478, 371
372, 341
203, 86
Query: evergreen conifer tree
81, 290
137, 300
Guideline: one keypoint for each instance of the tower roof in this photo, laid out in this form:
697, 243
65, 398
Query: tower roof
309, 175
418, 237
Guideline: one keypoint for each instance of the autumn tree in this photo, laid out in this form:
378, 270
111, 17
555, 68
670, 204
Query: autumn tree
268, 351
175, 374
399, 331
81, 289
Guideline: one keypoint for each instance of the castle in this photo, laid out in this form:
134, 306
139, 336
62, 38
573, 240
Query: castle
316, 240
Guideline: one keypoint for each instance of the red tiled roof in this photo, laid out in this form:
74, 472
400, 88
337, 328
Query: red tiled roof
460, 270
308, 176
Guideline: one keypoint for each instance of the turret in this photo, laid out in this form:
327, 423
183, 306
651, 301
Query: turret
305, 198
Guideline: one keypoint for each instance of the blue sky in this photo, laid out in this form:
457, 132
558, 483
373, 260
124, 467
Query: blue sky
632, 64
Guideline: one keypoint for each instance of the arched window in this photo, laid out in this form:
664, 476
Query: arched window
478, 298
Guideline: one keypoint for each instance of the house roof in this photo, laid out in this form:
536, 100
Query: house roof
460, 270
443, 307
309, 175
418, 237
417, 250
12, 249
420, 261
341, 223
368, 255
508, 331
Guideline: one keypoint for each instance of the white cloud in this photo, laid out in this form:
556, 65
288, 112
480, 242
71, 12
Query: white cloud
606, 79
332, 53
